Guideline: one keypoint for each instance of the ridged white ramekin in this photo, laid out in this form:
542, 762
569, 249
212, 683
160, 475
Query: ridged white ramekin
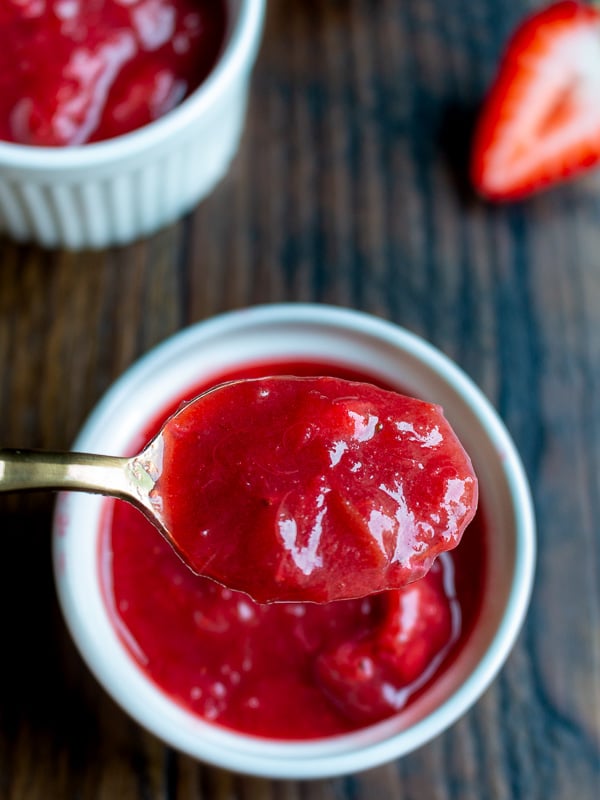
298, 332
113, 192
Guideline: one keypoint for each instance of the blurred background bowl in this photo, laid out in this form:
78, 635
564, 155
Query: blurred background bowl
115, 191
300, 332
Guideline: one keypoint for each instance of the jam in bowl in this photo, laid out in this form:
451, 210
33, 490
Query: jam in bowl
293, 690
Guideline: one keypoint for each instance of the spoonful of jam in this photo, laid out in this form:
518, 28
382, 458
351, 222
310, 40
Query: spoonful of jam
286, 488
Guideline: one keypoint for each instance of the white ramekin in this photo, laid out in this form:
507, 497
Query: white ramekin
112, 192
363, 342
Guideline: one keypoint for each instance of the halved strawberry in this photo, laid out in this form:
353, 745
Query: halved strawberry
540, 123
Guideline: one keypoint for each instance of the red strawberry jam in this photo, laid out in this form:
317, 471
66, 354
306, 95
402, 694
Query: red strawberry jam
76, 71
312, 489
285, 670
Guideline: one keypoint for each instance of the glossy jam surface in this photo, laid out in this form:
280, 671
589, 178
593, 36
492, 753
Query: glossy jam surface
312, 488
77, 71
284, 670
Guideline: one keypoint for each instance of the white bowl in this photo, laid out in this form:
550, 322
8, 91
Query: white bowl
115, 191
362, 342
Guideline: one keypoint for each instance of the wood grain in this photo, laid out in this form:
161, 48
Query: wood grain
350, 187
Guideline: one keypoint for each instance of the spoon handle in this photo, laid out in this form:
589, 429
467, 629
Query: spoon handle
32, 469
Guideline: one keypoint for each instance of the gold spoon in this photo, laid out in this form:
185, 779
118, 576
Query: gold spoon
304, 547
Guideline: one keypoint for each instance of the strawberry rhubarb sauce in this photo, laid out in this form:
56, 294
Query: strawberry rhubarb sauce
312, 488
288, 670
76, 71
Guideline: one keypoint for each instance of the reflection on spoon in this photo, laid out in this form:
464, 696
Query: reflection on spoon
288, 488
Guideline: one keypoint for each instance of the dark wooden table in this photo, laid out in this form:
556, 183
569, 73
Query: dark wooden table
350, 188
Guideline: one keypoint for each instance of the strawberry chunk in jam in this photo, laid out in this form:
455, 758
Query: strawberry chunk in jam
372, 676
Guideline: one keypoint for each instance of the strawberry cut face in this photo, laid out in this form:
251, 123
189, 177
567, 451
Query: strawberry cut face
540, 123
